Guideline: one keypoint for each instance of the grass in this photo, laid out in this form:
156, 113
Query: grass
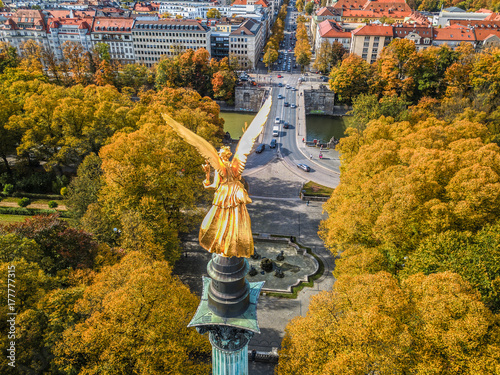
317, 190
7, 219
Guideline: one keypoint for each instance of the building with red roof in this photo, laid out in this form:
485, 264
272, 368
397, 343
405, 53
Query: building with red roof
369, 40
422, 36
331, 31
24, 25
454, 35
69, 29
117, 34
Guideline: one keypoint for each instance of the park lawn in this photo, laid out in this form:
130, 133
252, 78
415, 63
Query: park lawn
312, 188
8, 219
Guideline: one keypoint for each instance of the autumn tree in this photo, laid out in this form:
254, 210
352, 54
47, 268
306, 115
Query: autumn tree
124, 308
299, 4
270, 56
302, 47
78, 61
61, 246
371, 324
151, 178
213, 13
32, 56
63, 125
223, 83
351, 78
403, 182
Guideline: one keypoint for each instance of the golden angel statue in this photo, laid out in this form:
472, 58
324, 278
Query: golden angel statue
226, 228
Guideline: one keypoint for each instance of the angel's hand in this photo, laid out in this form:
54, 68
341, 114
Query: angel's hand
206, 167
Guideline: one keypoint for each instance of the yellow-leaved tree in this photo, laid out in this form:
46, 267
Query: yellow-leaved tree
370, 324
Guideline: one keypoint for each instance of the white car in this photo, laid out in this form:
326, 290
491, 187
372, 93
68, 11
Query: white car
277, 121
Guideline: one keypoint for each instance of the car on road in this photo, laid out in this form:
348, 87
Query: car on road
287, 86
280, 84
280, 96
286, 125
293, 88
293, 105
260, 148
304, 167
277, 121
273, 143
286, 104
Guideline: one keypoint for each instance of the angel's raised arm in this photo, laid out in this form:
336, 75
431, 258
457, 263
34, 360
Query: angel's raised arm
202, 145
249, 137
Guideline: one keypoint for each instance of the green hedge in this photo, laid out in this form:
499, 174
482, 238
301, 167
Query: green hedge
31, 211
35, 196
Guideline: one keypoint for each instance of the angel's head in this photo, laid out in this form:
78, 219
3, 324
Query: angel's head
225, 152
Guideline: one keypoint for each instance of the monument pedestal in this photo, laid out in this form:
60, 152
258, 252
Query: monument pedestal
228, 311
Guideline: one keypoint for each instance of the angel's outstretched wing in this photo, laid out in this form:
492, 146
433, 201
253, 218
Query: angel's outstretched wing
204, 148
248, 138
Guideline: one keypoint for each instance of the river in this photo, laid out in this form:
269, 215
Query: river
319, 127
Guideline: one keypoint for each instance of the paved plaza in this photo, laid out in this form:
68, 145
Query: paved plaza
276, 210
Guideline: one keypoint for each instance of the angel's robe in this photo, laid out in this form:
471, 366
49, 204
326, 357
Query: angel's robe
226, 228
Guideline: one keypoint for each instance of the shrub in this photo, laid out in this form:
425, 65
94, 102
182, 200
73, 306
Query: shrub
8, 189
52, 204
23, 202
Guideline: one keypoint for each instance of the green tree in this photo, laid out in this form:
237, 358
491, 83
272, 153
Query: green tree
84, 188
366, 107
124, 308
322, 61
309, 7
457, 251
8, 56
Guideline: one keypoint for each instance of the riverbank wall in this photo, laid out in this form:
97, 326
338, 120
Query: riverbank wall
247, 99
321, 101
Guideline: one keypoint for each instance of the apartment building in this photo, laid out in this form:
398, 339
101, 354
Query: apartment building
369, 40
246, 43
167, 37
24, 25
70, 29
117, 34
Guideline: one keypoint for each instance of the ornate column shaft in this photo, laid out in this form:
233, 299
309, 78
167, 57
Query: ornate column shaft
228, 311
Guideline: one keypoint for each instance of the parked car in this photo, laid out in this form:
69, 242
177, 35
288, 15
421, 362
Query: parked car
280, 84
304, 167
273, 143
260, 148
279, 76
